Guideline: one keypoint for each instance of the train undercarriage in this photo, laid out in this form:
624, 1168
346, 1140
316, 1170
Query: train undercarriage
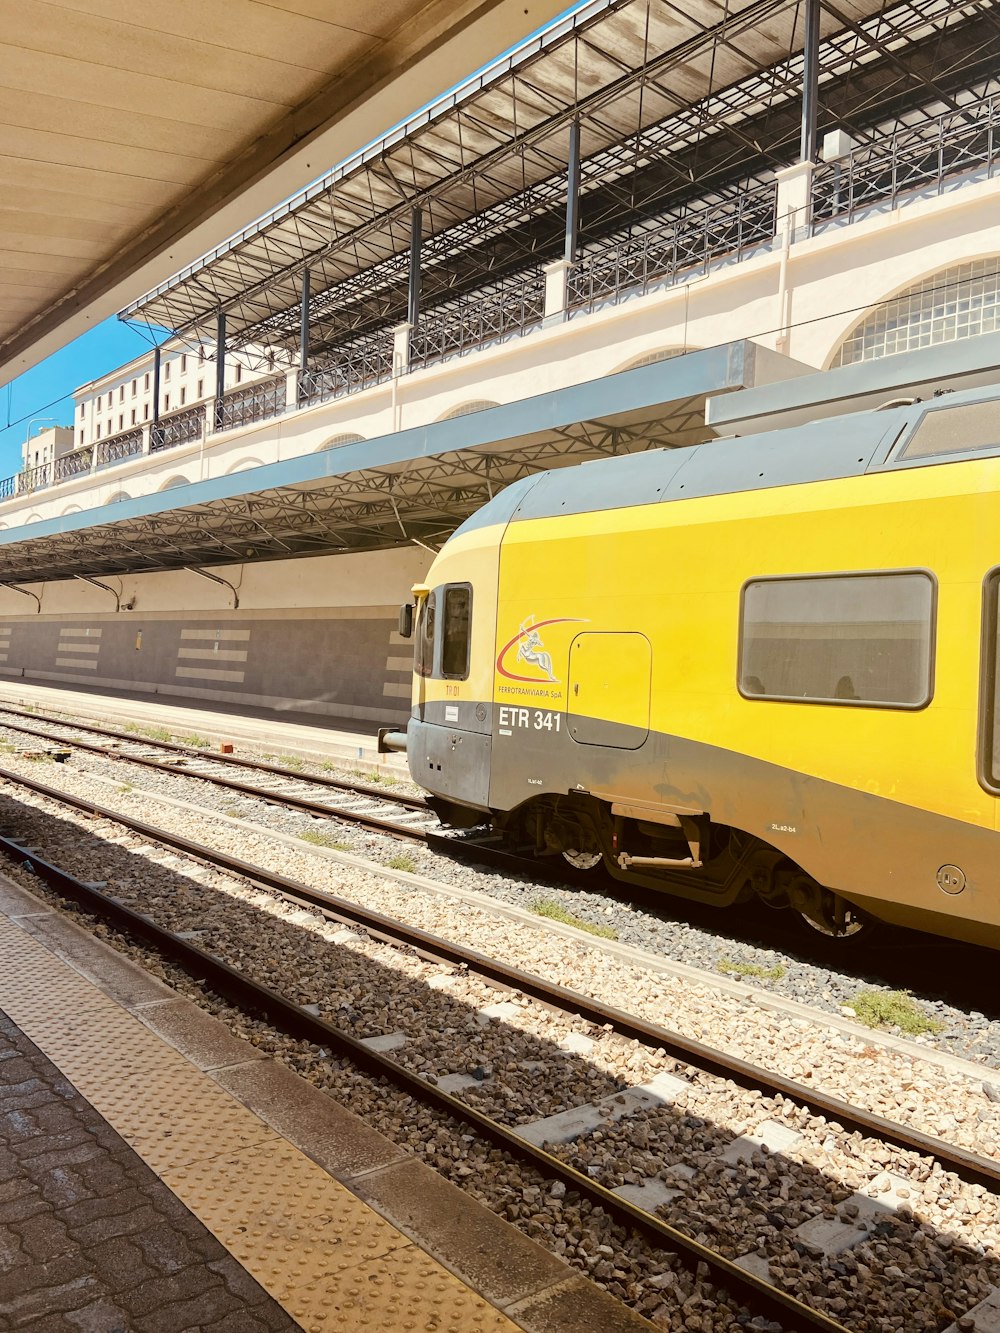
682, 853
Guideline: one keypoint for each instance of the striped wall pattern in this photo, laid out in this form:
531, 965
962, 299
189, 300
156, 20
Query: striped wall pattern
78, 648
213, 654
398, 668
327, 662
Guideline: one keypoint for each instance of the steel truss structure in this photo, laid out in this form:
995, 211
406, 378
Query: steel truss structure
678, 109
635, 140
419, 501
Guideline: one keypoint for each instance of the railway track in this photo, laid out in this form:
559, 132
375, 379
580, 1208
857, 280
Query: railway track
412, 822
355, 802
761, 1296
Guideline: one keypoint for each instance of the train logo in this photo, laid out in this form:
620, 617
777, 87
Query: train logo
531, 651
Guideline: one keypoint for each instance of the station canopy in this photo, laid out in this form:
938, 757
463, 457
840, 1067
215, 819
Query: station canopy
410, 487
137, 134
675, 104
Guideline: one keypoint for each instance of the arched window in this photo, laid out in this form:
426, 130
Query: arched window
175, 481
649, 358
957, 302
244, 464
464, 409
335, 441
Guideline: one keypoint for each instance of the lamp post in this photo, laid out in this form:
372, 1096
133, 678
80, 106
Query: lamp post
27, 440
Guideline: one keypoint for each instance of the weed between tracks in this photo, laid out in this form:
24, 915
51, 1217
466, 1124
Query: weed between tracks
324, 840
730, 969
888, 1009
548, 907
404, 862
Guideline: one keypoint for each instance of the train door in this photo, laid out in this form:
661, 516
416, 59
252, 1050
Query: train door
609, 689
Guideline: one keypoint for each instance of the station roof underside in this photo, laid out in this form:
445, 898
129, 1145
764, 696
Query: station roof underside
413, 486
672, 100
134, 136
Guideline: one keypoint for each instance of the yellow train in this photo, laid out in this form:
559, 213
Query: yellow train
762, 666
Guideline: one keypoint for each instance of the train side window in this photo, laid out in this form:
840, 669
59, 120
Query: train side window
989, 766
425, 635
967, 428
456, 636
846, 639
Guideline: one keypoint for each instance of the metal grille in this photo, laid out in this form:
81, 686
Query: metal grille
504, 311
358, 366
8, 486
34, 478
72, 465
257, 402
677, 247
119, 447
922, 157
959, 302
179, 428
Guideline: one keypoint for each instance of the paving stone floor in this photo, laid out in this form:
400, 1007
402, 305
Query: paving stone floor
91, 1241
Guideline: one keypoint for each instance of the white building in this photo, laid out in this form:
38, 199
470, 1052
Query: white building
45, 445
122, 400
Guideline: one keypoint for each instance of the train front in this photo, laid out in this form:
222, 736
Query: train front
448, 740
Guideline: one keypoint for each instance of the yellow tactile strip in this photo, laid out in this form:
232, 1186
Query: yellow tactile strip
330, 1260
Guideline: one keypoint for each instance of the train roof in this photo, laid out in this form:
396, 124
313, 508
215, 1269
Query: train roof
955, 427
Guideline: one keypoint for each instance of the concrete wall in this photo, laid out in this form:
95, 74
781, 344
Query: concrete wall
314, 636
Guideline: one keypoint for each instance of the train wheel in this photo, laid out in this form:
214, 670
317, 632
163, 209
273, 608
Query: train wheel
854, 927
583, 860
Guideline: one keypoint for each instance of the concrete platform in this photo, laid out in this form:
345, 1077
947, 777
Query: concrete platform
343, 740
159, 1174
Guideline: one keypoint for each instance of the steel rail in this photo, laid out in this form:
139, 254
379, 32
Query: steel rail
967, 1165
300, 803
192, 751
296, 1022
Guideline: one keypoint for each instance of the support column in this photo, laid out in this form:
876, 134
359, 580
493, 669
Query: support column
220, 367
556, 282
794, 203
572, 195
401, 349
304, 321
416, 244
810, 82
154, 430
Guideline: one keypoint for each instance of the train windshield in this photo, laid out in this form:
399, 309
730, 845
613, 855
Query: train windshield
426, 626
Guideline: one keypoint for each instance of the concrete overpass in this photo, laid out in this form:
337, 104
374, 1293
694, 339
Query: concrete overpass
136, 137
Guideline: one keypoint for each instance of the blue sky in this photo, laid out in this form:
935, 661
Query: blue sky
44, 393
45, 390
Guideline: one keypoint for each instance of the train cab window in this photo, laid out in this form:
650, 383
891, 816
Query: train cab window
426, 627
990, 749
848, 639
456, 638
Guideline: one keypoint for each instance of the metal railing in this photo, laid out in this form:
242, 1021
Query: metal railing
178, 428
116, 448
256, 402
73, 464
358, 366
506, 310
34, 478
919, 158
675, 248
